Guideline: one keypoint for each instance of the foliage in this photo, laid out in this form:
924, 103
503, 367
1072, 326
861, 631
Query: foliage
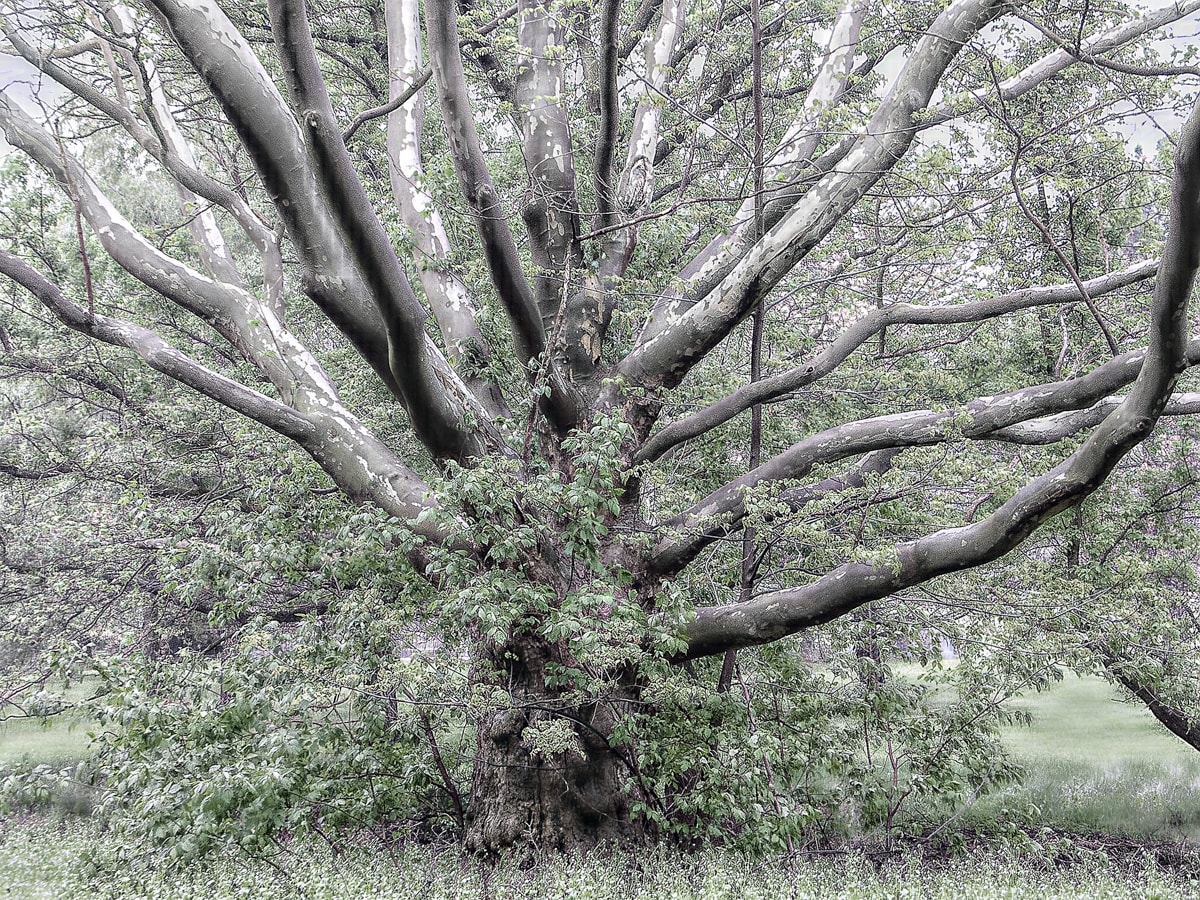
327, 728
398, 480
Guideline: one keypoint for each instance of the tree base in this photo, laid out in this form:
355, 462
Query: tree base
567, 801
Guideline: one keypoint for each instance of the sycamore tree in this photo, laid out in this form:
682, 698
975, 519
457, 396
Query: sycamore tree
654, 331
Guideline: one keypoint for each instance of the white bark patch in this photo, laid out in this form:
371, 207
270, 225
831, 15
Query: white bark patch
178, 143
452, 305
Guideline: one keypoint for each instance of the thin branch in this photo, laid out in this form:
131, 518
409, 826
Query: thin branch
391, 106
1048, 66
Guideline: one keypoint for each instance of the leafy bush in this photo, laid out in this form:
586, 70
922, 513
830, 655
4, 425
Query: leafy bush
296, 731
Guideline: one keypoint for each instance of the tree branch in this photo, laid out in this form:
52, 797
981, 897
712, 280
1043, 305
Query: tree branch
606, 135
790, 166
453, 307
436, 414
550, 207
271, 136
590, 310
491, 219
359, 463
692, 530
1048, 66
158, 354
1176, 720
779, 613
869, 325
185, 172
642, 18
665, 357
414, 88
1052, 429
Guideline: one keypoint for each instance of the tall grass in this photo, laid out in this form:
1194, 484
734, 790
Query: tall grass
1140, 799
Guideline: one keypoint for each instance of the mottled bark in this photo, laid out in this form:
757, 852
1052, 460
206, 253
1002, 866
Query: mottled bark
549, 207
416, 364
591, 308
568, 800
453, 307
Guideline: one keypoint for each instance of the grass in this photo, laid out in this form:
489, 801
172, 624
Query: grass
63, 739
27, 742
39, 761
1095, 763
1086, 720
73, 859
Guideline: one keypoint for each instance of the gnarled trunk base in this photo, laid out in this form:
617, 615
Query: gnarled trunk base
546, 776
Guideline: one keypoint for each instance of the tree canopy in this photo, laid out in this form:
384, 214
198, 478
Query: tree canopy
586, 342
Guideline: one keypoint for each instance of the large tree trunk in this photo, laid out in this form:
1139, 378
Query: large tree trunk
523, 793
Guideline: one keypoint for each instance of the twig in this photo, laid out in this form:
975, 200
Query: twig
391, 106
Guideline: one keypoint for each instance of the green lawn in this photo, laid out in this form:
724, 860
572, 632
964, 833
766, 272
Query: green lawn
26, 742
1097, 763
1086, 720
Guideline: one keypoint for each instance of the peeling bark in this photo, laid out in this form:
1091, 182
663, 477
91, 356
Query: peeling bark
549, 207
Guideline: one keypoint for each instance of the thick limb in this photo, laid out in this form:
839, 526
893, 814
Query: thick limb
778, 613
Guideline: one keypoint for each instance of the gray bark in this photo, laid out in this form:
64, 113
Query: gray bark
778, 613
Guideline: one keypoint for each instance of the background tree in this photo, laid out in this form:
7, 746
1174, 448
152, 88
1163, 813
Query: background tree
949, 241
